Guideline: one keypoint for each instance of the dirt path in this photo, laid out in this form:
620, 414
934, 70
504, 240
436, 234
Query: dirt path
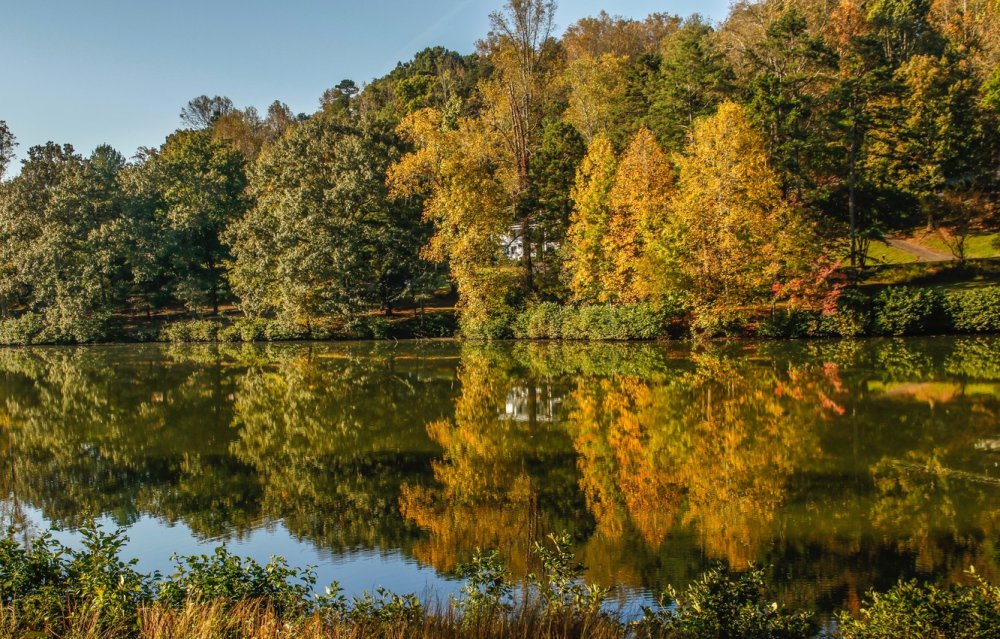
922, 253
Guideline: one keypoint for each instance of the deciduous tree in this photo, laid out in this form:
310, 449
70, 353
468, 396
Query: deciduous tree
7, 145
602, 34
790, 69
929, 139
694, 78
57, 222
465, 180
639, 238
737, 234
520, 48
203, 111
588, 264
596, 85
553, 173
323, 236
200, 185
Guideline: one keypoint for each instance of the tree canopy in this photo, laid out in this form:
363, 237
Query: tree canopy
622, 161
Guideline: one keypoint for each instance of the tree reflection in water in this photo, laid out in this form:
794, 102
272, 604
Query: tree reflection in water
845, 465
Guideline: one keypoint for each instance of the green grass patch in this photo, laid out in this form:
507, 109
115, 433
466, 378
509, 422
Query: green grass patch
881, 253
979, 246
945, 275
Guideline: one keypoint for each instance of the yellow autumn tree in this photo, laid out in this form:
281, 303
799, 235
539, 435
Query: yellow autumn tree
596, 84
587, 263
475, 172
737, 234
638, 239
466, 181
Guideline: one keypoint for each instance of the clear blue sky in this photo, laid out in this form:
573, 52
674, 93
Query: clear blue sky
118, 71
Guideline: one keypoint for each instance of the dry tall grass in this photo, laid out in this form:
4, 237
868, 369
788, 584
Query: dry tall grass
248, 620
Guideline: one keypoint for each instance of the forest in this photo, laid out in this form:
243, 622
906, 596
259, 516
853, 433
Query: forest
645, 174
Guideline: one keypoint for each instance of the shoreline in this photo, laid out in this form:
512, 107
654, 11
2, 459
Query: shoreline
50, 589
956, 300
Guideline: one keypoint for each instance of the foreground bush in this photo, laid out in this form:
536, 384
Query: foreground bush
723, 605
49, 587
49, 590
52, 590
918, 610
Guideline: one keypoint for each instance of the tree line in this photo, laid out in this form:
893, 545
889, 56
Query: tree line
627, 161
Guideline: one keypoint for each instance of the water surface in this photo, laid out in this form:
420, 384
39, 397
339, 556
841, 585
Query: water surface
842, 466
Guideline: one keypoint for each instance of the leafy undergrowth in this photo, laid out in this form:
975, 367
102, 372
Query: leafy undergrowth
48, 590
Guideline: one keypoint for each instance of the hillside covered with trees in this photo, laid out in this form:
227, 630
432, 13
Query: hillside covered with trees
648, 171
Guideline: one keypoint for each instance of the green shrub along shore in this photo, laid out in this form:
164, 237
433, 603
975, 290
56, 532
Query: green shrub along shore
49, 590
895, 311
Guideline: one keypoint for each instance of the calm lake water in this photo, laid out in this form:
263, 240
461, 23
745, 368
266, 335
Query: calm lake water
841, 465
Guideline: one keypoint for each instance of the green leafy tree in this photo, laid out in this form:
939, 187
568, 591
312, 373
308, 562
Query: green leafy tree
434, 78
929, 138
7, 144
339, 97
324, 237
633, 107
862, 78
553, 174
199, 184
903, 28
57, 222
790, 70
140, 238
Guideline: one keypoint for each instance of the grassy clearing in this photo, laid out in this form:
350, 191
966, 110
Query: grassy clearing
977, 246
881, 253
943, 275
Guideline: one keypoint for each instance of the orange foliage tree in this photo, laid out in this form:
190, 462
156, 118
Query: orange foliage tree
639, 239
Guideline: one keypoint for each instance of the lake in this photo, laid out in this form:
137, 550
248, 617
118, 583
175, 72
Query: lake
841, 465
